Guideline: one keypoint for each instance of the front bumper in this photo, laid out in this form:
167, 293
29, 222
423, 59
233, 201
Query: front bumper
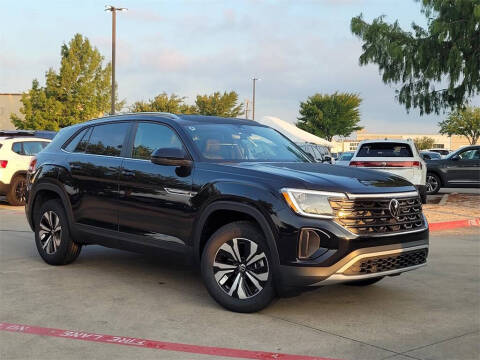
363, 263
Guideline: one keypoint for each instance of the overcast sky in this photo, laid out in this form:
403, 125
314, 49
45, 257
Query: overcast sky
296, 47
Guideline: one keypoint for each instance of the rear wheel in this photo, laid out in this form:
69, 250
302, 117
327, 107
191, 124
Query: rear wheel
16, 193
52, 235
236, 268
432, 184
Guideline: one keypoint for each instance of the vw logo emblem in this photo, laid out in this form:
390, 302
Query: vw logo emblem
394, 208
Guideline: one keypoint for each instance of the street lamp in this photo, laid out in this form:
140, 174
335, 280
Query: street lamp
254, 79
114, 10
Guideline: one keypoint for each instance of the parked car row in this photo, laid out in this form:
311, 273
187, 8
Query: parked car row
438, 167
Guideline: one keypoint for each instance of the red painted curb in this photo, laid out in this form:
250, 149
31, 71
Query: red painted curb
454, 224
152, 344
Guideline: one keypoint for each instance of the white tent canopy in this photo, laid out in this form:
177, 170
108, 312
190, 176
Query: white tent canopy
292, 132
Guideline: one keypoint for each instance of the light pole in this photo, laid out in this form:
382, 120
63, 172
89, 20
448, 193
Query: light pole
114, 10
254, 79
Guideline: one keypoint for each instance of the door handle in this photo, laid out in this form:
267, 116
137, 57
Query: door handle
128, 172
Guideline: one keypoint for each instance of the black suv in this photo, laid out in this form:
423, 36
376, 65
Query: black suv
248, 204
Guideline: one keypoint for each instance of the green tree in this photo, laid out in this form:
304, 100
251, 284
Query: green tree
327, 115
424, 142
219, 105
164, 103
464, 122
79, 92
422, 60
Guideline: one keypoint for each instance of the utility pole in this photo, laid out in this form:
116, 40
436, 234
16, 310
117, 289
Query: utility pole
114, 10
254, 79
247, 102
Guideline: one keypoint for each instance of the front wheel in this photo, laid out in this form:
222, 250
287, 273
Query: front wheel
237, 268
432, 184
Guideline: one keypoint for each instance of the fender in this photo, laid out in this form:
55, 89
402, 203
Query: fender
240, 207
439, 173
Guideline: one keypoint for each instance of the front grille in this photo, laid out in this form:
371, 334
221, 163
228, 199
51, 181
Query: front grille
374, 217
383, 263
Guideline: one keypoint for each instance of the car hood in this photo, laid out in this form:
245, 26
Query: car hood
317, 176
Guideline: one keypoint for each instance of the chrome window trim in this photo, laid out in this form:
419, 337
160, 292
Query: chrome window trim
383, 195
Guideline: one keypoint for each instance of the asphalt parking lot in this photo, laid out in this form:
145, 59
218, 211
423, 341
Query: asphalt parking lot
431, 313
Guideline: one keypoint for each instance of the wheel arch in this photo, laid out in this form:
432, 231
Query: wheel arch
229, 209
44, 192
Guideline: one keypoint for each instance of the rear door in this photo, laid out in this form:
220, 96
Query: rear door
393, 157
95, 164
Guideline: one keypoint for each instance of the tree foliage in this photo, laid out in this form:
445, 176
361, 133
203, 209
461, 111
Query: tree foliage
464, 122
164, 103
79, 92
327, 115
216, 104
422, 60
424, 142
219, 105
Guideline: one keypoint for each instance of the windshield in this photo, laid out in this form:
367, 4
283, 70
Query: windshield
346, 156
232, 142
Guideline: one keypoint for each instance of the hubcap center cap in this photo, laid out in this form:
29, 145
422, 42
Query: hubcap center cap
242, 268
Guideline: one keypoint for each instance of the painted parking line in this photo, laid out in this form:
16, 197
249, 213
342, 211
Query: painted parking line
152, 344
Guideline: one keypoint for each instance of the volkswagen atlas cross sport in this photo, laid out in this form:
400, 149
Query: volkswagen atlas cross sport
251, 208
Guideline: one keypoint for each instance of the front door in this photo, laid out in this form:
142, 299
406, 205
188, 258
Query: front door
155, 199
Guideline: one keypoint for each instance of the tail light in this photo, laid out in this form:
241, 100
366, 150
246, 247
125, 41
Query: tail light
3, 164
386, 164
33, 164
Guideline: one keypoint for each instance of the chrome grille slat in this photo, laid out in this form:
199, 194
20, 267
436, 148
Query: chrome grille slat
364, 216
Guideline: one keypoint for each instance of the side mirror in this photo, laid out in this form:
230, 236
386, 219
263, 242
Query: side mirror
327, 158
170, 157
456, 158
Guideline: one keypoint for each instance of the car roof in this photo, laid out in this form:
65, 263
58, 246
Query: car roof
181, 119
22, 138
405, 141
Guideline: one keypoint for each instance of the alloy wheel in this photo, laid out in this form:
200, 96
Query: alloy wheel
431, 183
241, 268
50, 232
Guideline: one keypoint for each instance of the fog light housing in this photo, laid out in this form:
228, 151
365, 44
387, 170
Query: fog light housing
308, 243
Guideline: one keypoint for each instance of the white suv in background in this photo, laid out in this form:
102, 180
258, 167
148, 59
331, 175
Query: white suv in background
15, 156
399, 157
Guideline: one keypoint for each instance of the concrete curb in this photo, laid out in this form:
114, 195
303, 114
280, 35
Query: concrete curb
454, 224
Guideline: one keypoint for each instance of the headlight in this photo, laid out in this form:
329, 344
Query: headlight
311, 203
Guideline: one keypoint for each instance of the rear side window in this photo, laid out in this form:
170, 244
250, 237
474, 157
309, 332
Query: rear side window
385, 149
73, 144
17, 148
107, 139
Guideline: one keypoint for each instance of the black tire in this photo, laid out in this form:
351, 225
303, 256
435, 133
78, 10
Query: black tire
365, 282
16, 193
423, 194
56, 247
433, 183
246, 297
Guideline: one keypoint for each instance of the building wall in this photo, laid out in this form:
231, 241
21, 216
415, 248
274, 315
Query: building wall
9, 103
